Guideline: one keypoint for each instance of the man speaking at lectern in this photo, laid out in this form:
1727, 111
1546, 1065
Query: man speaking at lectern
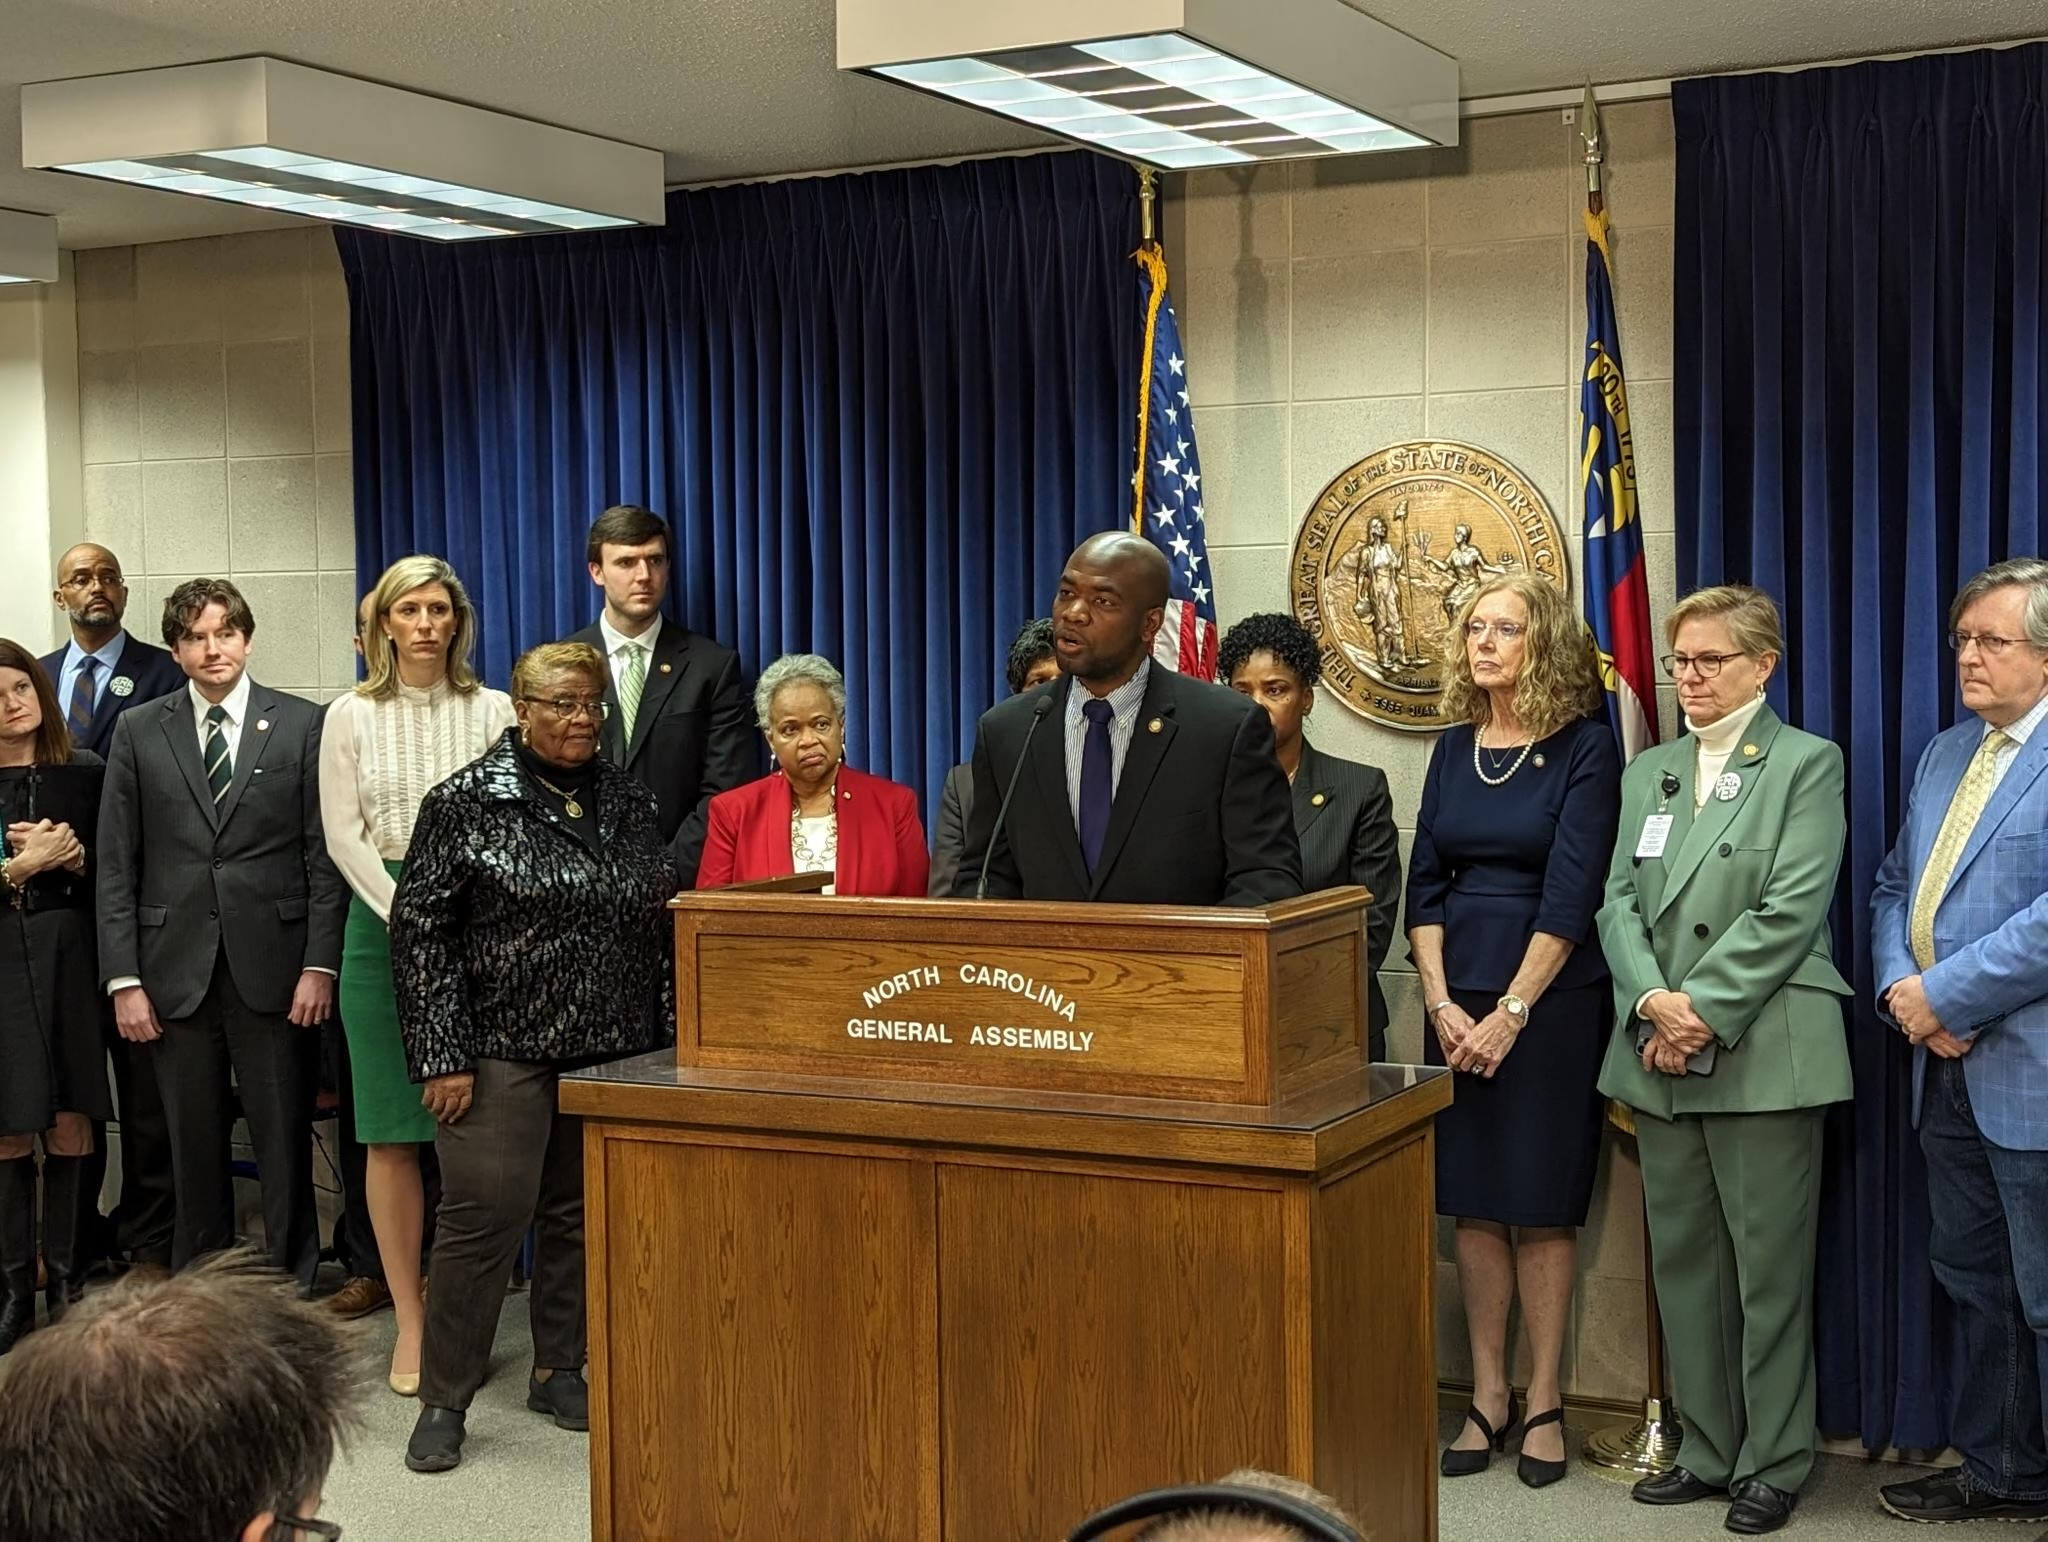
1122, 781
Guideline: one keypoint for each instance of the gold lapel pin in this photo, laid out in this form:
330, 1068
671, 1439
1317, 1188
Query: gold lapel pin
1749, 749
664, 669
1154, 726
1317, 800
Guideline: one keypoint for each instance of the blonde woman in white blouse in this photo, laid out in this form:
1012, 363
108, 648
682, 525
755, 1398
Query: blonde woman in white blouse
419, 716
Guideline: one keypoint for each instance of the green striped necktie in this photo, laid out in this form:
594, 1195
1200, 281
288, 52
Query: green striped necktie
220, 766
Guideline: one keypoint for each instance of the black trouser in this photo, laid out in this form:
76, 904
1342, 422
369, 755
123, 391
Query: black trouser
275, 1067
355, 1240
514, 1159
146, 1214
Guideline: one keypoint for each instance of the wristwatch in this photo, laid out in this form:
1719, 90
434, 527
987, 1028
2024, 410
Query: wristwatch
1515, 1007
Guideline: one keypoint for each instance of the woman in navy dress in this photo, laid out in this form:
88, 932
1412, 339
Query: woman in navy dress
1511, 849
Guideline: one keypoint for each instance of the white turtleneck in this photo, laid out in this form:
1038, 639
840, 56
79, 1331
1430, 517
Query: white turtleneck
1712, 747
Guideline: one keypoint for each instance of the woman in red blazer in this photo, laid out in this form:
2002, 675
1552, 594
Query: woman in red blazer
814, 813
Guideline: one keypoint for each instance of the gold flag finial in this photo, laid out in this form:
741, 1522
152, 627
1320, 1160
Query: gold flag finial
1589, 132
1148, 193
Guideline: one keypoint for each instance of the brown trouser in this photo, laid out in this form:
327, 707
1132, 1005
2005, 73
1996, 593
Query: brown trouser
512, 1161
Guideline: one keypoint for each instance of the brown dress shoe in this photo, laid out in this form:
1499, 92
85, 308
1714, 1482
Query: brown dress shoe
359, 1298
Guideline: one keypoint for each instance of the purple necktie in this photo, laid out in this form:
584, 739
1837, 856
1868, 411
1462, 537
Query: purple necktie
79, 713
1098, 789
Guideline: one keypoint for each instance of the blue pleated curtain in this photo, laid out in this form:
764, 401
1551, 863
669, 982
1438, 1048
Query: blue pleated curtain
1861, 364
878, 409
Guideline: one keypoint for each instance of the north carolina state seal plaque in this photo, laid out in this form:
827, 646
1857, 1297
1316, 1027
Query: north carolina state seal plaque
1390, 552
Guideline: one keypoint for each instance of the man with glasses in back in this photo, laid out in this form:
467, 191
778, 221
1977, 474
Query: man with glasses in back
1959, 946
104, 671
205, 1408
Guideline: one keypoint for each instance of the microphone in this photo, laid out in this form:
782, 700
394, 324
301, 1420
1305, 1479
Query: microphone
1038, 713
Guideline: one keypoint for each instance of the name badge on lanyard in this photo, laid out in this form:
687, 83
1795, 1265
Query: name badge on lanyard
1656, 833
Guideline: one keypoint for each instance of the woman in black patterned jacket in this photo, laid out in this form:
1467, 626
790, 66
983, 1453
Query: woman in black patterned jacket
529, 936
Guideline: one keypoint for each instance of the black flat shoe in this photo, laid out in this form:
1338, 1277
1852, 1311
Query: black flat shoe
436, 1444
1466, 1464
1533, 1470
565, 1395
1676, 1487
1759, 1508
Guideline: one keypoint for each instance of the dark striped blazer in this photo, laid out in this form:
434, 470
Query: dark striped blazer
1344, 817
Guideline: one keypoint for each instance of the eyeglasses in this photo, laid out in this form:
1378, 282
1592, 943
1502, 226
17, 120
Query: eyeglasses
312, 1525
1506, 631
1705, 665
567, 711
105, 578
1988, 644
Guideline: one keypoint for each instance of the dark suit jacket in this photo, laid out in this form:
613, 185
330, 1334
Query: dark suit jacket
1201, 814
1344, 817
178, 883
693, 735
949, 837
149, 671
881, 840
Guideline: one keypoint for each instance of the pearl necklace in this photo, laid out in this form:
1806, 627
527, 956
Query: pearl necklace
1496, 781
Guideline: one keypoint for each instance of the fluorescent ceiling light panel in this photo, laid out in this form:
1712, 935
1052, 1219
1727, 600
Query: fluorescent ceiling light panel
28, 248
1175, 83
294, 140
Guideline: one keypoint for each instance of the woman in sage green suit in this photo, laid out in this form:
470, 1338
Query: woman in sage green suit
1729, 1046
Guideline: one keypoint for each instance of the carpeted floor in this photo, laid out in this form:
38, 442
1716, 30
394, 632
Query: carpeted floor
522, 1478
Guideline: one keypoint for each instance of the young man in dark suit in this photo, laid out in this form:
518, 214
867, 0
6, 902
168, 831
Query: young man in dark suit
677, 714
220, 922
103, 672
1143, 786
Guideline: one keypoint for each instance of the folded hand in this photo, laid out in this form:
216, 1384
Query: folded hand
1486, 1045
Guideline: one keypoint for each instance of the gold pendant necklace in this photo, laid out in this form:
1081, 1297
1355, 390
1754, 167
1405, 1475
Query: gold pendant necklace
569, 804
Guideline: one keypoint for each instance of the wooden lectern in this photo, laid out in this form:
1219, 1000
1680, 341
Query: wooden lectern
951, 1222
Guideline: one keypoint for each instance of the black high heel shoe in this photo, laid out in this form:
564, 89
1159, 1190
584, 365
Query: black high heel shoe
1534, 1471
1466, 1464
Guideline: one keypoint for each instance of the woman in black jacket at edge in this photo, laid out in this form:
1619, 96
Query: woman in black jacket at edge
529, 936
53, 1056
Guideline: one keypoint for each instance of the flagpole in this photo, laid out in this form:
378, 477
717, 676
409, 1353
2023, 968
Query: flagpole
1648, 1444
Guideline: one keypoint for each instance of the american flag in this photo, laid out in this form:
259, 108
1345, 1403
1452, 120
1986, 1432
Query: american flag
1168, 483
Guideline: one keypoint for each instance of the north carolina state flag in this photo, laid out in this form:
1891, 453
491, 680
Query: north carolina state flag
1617, 589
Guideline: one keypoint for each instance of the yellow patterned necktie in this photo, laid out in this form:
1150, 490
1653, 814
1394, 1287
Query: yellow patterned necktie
1972, 793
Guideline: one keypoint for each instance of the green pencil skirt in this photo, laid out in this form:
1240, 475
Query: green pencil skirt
387, 1101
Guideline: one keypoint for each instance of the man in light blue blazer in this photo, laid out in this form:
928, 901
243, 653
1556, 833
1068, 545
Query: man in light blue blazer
1959, 939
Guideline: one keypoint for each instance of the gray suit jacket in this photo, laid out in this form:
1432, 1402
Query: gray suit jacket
180, 882
1344, 818
949, 835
